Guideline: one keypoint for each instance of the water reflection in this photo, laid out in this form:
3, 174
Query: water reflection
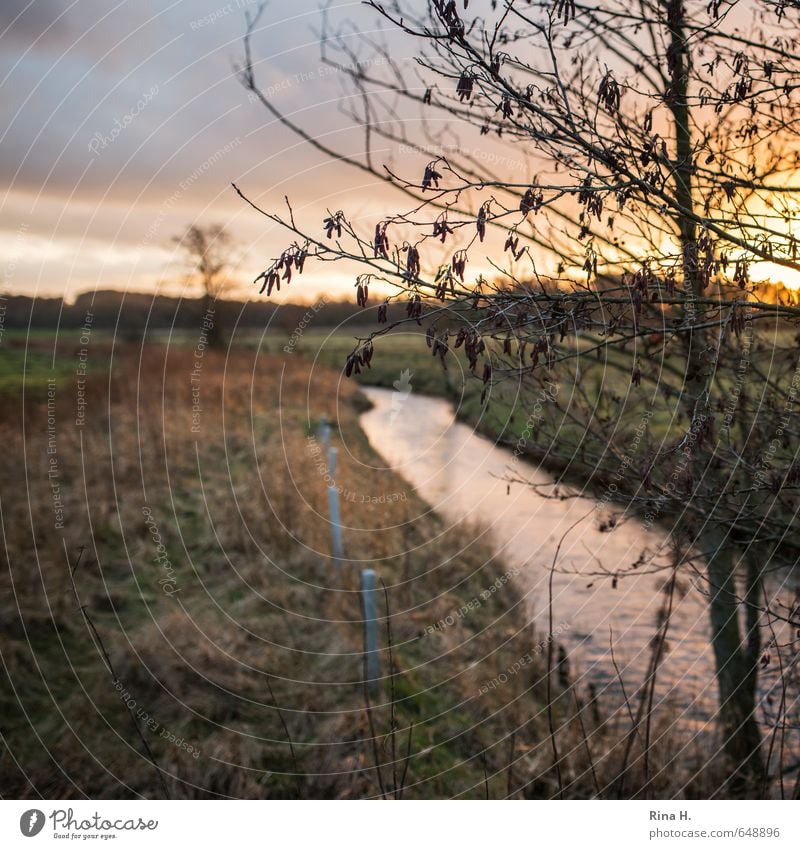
461, 476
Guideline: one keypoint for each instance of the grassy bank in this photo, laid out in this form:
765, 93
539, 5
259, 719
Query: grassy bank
252, 642
234, 645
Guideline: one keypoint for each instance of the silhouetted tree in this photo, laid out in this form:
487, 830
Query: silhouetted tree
210, 253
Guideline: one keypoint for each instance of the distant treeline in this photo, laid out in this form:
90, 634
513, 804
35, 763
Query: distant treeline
136, 314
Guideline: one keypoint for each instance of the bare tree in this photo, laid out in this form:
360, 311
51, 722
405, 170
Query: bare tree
210, 254
649, 170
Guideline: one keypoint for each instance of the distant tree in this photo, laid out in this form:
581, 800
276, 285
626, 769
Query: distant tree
210, 254
650, 161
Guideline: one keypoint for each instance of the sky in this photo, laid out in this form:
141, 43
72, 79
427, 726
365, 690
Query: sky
125, 123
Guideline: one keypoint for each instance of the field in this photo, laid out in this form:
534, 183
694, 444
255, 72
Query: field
209, 632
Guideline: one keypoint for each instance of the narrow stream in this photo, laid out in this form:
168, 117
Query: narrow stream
461, 476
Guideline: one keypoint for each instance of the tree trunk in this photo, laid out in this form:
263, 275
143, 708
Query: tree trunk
213, 331
753, 600
734, 665
735, 676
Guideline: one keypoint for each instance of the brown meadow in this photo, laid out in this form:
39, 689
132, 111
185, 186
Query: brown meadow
202, 562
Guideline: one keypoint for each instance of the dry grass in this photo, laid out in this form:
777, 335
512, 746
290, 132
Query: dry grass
261, 637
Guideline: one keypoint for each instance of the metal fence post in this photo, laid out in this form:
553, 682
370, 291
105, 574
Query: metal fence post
336, 524
370, 607
324, 432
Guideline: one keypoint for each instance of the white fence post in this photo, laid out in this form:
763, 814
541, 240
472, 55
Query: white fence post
324, 432
370, 607
334, 514
336, 524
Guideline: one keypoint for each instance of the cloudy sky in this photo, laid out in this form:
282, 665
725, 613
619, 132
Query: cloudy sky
125, 122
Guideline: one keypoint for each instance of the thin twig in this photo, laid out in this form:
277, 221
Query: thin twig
406, 760
579, 711
392, 701
286, 732
550, 723
657, 658
510, 767
368, 707
110, 667
619, 678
